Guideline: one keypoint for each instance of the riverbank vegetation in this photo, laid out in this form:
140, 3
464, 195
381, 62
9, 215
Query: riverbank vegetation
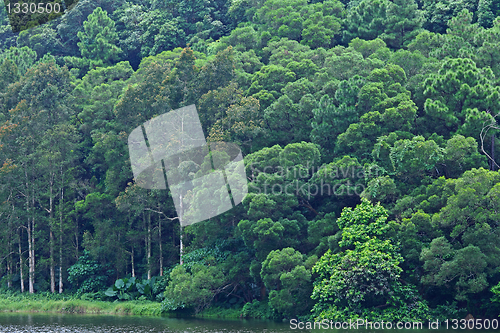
55, 303
370, 136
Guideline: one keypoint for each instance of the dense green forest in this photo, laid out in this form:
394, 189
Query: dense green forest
370, 134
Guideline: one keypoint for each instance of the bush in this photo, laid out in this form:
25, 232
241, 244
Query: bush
258, 310
192, 290
88, 275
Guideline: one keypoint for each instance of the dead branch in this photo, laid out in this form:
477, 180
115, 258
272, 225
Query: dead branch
492, 125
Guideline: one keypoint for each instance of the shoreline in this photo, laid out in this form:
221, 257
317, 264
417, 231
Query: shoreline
77, 306
98, 307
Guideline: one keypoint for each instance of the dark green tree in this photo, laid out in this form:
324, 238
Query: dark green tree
404, 22
98, 39
367, 20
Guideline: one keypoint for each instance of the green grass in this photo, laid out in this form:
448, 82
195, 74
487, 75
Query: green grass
15, 302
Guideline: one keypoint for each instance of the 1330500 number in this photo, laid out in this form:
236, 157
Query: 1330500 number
32, 8
471, 324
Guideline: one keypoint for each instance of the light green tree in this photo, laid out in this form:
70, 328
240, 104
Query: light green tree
363, 277
288, 281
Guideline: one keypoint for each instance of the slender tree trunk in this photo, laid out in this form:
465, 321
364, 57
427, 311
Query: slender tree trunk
51, 241
30, 242
493, 152
32, 247
9, 266
181, 205
161, 248
132, 261
146, 243
180, 224
76, 231
9, 257
31, 260
52, 270
181, 249
21, 262
61, 240
149, 245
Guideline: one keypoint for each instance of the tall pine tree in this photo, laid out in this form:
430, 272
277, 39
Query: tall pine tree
99, 38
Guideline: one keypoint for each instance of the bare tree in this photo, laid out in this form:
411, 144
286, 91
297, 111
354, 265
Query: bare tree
484, 131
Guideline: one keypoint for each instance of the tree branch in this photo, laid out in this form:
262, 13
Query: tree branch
492, 125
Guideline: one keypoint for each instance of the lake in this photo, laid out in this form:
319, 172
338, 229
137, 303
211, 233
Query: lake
45, 323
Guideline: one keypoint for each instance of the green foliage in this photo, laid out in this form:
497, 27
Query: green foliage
288, 282
357, 281
330, 120
315, 24
8, 73
403, 23
487, 11
366, 20
458, 86
87, 274
466, 264
98, 39
258, 310
382, 189
22, 57
130, 288
415, 158
194, 289
438, 14
404, 216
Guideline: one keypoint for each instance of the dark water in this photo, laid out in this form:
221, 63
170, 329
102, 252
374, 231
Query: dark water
15, 322
38, 323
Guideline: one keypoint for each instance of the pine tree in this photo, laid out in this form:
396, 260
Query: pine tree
99, 38
8, 73
366, 21
404, 22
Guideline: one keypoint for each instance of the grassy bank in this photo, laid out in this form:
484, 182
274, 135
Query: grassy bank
65, 304
44, 302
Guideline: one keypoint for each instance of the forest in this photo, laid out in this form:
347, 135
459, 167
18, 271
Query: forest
369, 131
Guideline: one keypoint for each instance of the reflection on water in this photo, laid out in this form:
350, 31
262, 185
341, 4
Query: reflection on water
38, 323
45, 323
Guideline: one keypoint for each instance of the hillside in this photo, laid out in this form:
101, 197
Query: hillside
369, 131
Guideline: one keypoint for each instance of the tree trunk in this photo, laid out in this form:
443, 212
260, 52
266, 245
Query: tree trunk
30, 241
149, 245
9, 258
493, 152
51, 244
161, 249
51, 259
31, 250
21, 262
32, 247
9, 267
181, 206
181, 246
132, 261
76, 231
60, 239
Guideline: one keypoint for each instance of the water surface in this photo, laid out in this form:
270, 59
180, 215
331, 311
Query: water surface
49, 323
